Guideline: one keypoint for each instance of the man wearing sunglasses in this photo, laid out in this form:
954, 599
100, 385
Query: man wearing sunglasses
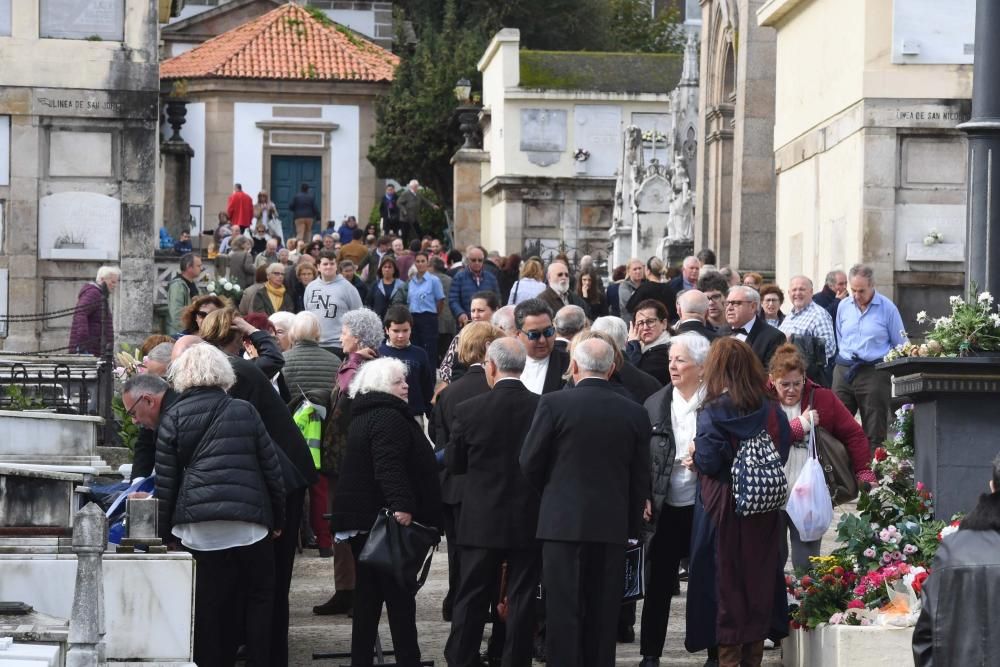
545, 365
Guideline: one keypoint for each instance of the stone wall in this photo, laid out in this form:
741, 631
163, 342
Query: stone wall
735, 203
83, 128
546, 216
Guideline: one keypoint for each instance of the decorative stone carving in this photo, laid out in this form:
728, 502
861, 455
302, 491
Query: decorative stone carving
654, 201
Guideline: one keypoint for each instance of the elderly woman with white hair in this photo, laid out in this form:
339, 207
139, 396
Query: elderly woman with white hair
92, 331
219, 481
388, 464
361, 333
673, 412
310, 372
282, 323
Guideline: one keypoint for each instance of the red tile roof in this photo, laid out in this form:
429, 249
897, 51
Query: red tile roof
287, 43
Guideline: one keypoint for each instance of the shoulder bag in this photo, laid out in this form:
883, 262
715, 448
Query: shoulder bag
837, 468
401, 552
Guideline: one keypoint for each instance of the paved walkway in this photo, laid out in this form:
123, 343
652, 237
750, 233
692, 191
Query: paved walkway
313, 584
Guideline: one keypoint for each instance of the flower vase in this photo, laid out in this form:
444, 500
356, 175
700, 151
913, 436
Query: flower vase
581, 167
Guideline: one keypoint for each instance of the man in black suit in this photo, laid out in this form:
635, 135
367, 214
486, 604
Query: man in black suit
742, 306
692, 307
472, 383
545, 366
587, 454
559, 292
638, 382
498, 521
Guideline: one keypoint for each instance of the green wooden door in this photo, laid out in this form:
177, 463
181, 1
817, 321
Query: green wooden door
288, 173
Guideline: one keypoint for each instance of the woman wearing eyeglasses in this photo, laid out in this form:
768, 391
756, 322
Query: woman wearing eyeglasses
806, 405
649, 340
273, 296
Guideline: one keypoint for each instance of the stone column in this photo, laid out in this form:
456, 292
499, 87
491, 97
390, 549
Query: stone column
467, 197
177, 156
86, 624
983, 128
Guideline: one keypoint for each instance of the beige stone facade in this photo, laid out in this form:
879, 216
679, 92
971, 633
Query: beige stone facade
867, 156
735, 197
78, 106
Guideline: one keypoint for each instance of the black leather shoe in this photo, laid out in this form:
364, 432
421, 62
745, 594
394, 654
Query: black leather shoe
342, 602
712, 662
649, 661
626, 635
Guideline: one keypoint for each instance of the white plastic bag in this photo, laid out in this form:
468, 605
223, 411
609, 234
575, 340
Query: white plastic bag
809, 505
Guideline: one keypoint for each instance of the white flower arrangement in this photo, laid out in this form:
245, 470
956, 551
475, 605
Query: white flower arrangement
933, 237
581, 155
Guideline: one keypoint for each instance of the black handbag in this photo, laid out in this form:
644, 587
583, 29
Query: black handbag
402, 552
837, 468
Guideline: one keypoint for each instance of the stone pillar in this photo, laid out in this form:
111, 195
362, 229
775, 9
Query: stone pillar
467, 197
86, 625
983, 128
176, 154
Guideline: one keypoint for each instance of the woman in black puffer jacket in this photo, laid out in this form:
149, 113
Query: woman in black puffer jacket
388, 463
221, 494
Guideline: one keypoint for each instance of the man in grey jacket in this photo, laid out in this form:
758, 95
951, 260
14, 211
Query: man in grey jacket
329, 297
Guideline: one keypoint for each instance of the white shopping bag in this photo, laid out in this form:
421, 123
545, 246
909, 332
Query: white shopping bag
809, 505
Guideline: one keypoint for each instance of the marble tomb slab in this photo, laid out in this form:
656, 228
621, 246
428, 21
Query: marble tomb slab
149, 600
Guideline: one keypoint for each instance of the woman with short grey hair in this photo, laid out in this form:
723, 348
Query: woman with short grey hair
361, 333
669, 513
310, 372
226, 509
388, 464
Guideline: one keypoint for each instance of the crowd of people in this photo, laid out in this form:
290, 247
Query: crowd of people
480, 394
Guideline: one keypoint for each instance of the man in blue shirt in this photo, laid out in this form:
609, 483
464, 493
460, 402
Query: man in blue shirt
468, 281
419, 373
425, 297
868, 326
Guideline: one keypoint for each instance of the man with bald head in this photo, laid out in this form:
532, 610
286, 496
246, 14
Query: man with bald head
499, 520
808, 325
592, 498
182, 344
692, 309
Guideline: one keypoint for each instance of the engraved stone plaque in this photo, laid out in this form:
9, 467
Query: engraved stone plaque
83, 19
79, 225
543, 135
599, 130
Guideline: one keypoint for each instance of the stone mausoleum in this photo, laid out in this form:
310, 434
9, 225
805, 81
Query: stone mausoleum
552, 125
78, 143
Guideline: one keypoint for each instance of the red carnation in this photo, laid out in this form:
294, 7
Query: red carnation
918, 582
881, 454
855, 604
